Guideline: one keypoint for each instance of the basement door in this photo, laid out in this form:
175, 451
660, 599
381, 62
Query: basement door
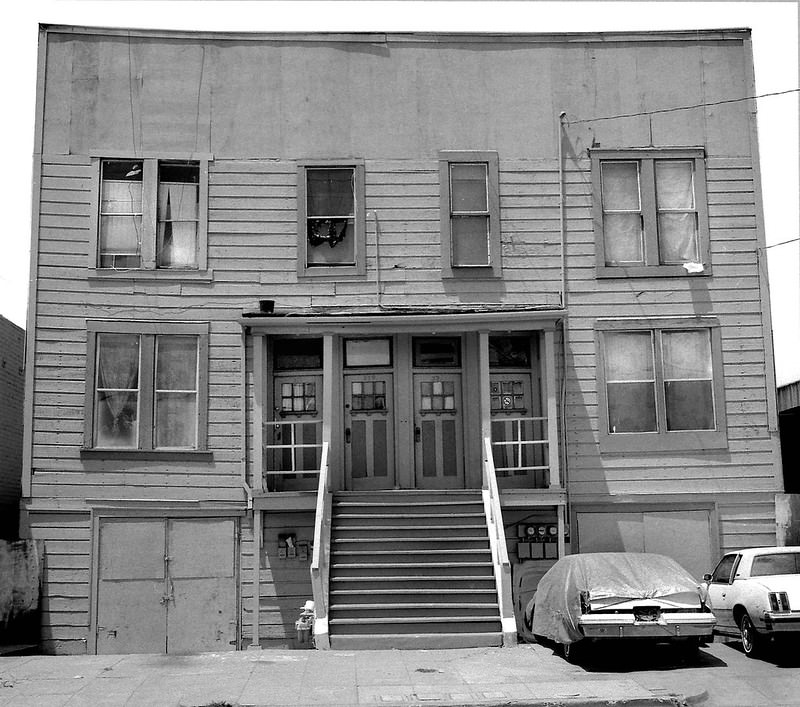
683, 535
166, 585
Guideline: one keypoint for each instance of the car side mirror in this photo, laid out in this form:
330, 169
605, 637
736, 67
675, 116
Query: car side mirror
706, 577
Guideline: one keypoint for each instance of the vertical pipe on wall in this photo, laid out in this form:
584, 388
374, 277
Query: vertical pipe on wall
258, 531
562, 219
243, 402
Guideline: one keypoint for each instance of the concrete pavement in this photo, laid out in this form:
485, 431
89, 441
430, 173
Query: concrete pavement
523, 675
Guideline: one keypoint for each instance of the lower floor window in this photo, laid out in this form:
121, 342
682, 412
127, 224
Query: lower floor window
146, 389
659, 381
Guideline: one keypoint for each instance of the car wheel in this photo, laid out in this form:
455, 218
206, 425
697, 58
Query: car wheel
751, 641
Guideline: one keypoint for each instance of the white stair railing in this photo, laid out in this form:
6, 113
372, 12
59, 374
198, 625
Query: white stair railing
497, 543
320, 559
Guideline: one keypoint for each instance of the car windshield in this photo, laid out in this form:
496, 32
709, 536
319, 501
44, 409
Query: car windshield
778, 563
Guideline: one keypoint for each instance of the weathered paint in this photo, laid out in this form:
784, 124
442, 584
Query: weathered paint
259, 105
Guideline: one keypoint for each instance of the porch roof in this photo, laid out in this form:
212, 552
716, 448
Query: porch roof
406, 320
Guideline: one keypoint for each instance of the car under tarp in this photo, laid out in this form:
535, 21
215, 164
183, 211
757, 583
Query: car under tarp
609, 578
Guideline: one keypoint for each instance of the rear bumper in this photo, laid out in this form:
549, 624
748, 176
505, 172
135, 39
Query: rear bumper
782, 622
669, 626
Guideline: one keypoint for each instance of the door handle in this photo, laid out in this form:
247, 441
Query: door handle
417, 433
347, 435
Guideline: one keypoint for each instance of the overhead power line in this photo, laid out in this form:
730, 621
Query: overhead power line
677, 108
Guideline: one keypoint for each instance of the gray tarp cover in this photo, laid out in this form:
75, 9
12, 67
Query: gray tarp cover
625, 575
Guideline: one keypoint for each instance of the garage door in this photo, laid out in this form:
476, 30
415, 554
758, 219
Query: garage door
683, 535
166, 585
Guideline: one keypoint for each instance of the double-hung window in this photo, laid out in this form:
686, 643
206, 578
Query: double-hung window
146, 386
660, 385
650, 213
150, 217
469, 213
331, 222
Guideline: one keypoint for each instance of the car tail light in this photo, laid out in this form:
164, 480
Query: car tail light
779, 601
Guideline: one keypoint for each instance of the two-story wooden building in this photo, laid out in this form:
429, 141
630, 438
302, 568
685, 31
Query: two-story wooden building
389, 321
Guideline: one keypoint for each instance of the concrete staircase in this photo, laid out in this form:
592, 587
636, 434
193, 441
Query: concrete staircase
411, 569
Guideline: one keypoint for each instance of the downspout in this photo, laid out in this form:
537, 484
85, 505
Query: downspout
377, 260
562, 214
243, 402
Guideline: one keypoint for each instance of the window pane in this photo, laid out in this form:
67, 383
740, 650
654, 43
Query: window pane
176, 420
120, 234
677, 238
690, 404
470, 240
468, 187
331, 242
509, 351
629, 356
622, 234
116, 391
368, 352
779, 563
687, 354
620, 186
674, 184
297, 353
329, 192
176, 363
631, 407
178, 208
121, 197
118, 361
115, 416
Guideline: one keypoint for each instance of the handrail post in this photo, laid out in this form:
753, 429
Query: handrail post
320, 561
497, 543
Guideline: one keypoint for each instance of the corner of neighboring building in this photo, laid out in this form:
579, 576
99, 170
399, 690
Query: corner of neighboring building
12, 393
788, 503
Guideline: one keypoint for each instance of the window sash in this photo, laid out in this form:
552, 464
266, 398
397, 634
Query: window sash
671, 214
330, 217
672, 412
167, 413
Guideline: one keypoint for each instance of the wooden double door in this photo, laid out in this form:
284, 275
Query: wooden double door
400, 428
166, 585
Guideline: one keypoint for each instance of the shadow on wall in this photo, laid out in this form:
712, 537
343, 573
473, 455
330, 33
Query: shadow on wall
787, 515
20, 582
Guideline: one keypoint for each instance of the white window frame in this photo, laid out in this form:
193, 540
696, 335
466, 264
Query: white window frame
645, 159
148, 268
662, 439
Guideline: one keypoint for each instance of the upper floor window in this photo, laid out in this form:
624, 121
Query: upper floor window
470, 213
151, 216
331, 228
146, 386
651, 216
660, 385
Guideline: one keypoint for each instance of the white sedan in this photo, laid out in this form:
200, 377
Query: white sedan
755, 594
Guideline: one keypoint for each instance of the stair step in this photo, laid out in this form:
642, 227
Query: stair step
444, 582
410, 544
427, 624
424, 641
339, 557
391, 594
394, 569
414, 610
354, 530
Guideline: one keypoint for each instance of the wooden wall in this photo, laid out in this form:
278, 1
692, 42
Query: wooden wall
12, 392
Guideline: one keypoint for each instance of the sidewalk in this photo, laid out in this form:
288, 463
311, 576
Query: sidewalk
523, 675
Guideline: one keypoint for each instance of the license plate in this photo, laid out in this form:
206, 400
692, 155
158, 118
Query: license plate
646, 613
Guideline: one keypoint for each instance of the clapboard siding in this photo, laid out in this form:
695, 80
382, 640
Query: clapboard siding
66, 539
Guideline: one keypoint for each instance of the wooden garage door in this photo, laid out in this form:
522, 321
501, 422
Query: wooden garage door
166, 585
683, 535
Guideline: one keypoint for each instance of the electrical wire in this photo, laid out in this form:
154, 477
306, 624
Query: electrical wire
791, 240
677, 108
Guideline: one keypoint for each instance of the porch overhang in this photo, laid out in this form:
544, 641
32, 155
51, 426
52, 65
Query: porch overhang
402, 321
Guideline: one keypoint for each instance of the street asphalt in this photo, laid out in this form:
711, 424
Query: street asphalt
528, 674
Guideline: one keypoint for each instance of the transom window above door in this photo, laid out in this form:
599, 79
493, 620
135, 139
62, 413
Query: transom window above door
437, 352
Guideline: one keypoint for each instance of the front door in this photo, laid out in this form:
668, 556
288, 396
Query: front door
438, 435
369, 431
166, 585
